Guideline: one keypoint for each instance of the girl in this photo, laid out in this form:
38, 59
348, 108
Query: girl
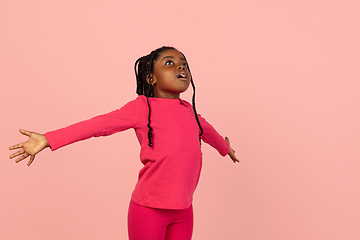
169, 131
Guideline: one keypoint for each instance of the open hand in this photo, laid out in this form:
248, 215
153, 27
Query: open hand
231, 152
36, 143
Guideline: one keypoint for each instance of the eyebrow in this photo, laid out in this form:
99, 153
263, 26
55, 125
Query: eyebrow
172, 57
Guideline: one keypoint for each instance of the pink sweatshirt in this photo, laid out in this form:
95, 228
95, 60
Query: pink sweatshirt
172, 165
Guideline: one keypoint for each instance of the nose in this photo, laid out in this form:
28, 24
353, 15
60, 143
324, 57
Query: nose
181, 67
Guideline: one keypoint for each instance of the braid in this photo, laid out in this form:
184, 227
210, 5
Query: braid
148, 125
196, 116
150, 93
144, 67
193, 103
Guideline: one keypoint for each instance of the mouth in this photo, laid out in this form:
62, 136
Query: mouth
182, 76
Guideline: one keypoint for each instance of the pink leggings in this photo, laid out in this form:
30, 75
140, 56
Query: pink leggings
159, 224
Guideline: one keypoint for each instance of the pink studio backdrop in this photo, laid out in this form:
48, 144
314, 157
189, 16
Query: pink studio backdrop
280, 78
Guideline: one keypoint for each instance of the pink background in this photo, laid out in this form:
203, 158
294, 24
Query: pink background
280, 78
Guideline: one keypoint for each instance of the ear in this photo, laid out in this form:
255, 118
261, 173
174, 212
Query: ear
152, 80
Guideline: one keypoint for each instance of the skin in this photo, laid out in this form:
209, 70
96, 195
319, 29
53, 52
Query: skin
165, 82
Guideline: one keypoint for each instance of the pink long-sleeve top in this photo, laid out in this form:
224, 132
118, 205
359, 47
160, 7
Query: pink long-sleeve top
172, 165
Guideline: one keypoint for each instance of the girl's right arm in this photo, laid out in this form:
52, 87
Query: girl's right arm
35, 144
103, 125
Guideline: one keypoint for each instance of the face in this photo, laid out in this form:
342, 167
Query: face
171, 75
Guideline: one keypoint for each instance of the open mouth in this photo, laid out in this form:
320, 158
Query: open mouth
182, 76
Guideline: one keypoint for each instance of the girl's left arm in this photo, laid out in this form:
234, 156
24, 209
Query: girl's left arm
212, 137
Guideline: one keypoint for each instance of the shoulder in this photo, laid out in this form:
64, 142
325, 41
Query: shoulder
135, 104
137, 101
186, 103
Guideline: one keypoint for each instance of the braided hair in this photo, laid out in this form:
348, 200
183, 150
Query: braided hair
144, 67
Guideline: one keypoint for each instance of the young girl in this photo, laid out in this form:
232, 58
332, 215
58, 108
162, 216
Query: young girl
169, 131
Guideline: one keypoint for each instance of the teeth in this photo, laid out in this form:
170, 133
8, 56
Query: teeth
182, 75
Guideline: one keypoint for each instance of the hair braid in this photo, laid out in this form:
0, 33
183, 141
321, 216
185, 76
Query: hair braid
148, 125
193, 103
150, 93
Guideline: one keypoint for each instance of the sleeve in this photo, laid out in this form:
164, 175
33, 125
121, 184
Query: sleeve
212, 137
119, 120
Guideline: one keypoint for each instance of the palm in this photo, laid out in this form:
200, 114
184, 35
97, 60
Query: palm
33, 145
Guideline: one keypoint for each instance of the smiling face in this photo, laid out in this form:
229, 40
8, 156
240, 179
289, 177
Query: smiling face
171, 75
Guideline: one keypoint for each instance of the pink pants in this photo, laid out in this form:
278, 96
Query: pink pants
159, 224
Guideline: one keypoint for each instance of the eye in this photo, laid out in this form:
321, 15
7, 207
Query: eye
169, 62
185, 65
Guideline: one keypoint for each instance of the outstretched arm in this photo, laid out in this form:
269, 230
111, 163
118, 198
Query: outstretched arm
231, 152
212, 137
36, 143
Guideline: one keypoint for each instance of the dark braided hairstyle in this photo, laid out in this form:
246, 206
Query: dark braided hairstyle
145, 67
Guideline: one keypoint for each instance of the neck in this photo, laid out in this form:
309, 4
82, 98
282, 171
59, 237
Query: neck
167, 95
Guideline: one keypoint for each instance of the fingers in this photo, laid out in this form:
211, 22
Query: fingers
17, 153
32, 157
20, 145
22, 157
21, 152
235, 160
24, 132
16, 146
233, 157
